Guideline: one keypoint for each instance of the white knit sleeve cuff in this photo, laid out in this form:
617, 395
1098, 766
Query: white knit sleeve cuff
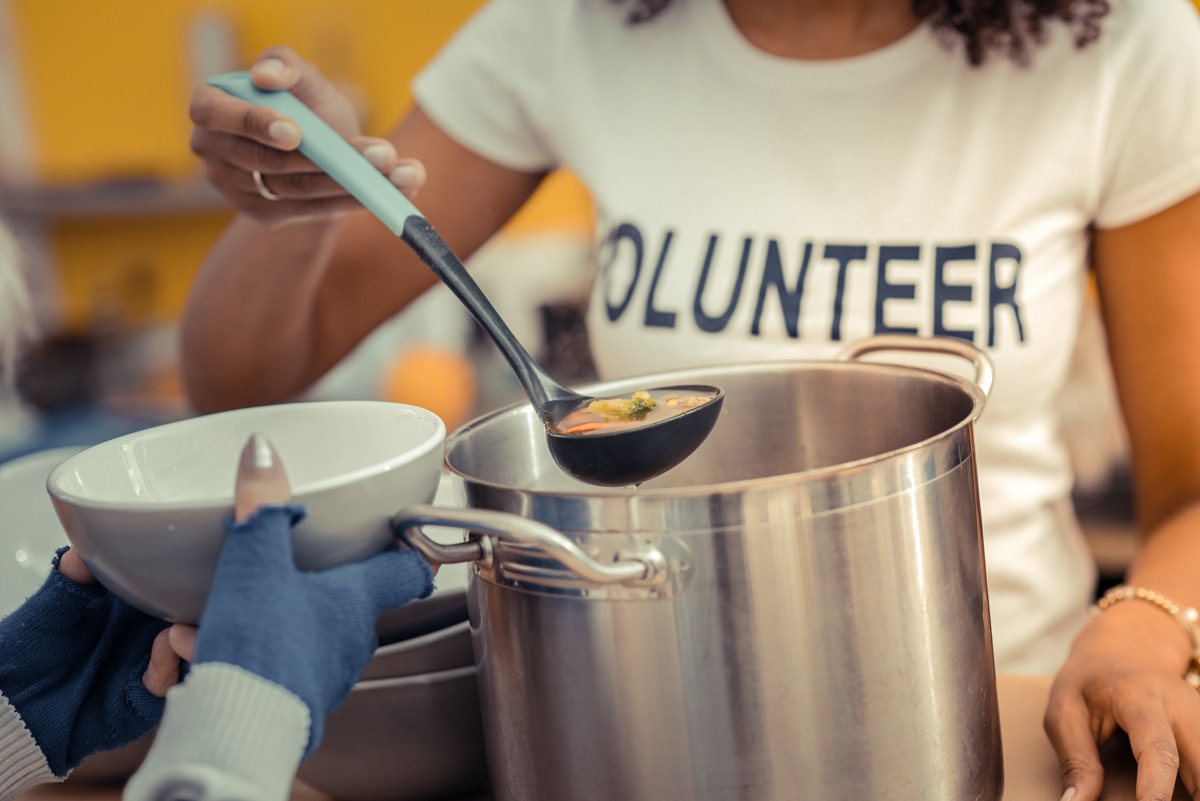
22, 763
227, 734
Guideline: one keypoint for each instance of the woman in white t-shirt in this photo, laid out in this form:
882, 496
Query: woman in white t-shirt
772, 181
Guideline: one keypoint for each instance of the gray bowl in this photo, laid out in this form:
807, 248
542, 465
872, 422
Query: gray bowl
418, 618
416, 738
441, 650
423, 647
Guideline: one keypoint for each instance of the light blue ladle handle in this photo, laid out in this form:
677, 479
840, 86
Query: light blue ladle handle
327, 149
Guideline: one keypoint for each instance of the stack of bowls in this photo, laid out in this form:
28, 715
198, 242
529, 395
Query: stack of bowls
410, 729
146, 511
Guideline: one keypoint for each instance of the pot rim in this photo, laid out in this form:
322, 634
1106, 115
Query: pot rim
971, 389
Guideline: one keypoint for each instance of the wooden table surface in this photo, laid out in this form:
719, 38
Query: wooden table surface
1030, 766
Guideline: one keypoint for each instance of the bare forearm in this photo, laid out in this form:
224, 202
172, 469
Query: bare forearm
1152, 328
1169, 563
248, 328
279, 301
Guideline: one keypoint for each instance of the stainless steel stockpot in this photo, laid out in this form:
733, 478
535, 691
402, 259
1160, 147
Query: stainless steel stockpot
797, 611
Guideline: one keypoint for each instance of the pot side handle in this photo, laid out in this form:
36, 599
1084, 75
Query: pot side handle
648, 568
947, 346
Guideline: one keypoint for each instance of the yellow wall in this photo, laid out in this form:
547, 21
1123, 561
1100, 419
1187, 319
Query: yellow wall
107, 88
108, 83
123, 273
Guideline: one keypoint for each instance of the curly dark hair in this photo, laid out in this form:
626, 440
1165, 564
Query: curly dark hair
1011, 27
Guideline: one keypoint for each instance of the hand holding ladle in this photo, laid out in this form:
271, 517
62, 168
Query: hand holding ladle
615, 457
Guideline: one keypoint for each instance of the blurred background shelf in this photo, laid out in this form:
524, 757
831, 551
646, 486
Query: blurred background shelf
105, 199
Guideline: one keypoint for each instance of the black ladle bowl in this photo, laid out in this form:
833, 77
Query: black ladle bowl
613, 457
616, 457
621, 458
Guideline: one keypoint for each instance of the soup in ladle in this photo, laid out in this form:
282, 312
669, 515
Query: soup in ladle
641, 408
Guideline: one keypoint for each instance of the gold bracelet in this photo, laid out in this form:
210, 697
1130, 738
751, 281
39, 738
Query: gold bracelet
1187, 617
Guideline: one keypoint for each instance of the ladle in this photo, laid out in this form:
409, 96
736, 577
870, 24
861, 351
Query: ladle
614, 457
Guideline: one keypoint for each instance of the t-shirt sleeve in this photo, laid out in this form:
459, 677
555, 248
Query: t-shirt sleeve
491, 87
1150, 123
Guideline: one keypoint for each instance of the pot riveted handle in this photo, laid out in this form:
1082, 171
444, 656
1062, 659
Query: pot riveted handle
647, 568
948, 346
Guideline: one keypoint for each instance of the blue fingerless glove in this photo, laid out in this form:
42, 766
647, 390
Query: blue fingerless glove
71, 664
309, 632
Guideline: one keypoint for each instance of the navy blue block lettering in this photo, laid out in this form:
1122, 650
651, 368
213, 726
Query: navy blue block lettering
657, 318
631, 233
789, 299
704, 321
1003, 295
843, 255
885, 290
944, 293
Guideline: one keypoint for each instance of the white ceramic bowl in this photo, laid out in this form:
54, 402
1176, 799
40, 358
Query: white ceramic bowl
146, 511
31, 532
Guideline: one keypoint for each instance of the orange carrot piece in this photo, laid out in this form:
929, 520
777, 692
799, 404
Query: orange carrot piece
582, 428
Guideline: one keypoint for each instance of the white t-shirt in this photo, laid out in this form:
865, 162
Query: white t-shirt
755, 207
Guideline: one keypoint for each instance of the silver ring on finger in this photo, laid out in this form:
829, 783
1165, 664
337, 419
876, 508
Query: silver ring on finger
263, 189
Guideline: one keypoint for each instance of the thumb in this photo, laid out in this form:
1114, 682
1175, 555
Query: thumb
1067, 725
73, 568
163, 671
262, 518
182, 639
279, 67
261, 542
397, 576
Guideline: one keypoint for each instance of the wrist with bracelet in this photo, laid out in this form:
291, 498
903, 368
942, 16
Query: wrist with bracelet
1188, 619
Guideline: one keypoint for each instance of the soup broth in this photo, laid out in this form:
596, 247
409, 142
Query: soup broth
640, 409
